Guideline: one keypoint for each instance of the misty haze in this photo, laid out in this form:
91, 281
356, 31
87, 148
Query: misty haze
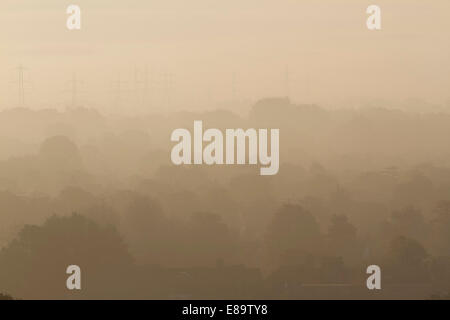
87, 179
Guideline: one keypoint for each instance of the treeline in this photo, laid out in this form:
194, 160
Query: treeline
299, 261
355, 188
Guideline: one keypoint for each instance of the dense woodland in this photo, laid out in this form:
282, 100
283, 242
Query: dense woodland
356, 187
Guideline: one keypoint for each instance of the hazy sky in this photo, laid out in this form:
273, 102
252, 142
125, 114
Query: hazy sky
325, 45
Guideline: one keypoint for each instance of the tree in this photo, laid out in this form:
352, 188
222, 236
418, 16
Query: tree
60, 151
342, 239
405, 261
210, 239
341, 231
441, 229
408, 222
292, 235
33, 266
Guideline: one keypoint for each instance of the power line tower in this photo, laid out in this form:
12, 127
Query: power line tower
21, 85
233, 87
74, 90
208, 95
136, 81
146, 86
287, 82
141, 85
308, 57
136, 86
167, 82
118, 88
149, 86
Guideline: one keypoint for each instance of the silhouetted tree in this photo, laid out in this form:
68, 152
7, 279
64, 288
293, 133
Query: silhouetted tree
34, 264
292, 234
405, 261
440, 226
407, 222
342, 239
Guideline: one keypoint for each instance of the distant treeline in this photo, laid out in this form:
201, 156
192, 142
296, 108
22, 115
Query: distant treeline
355, 188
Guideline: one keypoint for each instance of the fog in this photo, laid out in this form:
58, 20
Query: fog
229, 50
86, 175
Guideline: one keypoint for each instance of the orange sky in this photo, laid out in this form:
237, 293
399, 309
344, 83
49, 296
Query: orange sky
325, 45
